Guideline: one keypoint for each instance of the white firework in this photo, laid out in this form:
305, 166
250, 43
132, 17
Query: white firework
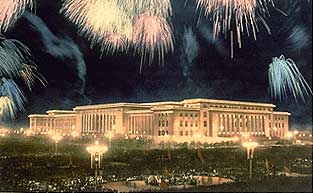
285, 79
12, 55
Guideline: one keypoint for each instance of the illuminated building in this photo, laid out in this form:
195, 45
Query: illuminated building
187, 120
55, 120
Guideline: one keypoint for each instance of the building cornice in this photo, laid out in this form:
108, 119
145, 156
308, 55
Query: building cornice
228, 102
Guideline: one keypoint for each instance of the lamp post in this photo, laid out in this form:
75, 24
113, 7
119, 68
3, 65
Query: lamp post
56, 137
96, 151
250, 145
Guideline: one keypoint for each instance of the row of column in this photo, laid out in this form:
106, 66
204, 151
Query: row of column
231, 124
64, 124
41, 124
98, 122
140, 124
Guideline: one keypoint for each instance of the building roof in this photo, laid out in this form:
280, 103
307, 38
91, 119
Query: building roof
281, 113
60, 112
39, 115
110, 105
201, 100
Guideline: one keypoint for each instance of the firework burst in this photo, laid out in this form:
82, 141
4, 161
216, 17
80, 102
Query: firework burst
285, 79
116, 25
12, 55
231, 17
13, 58
99, 21
152, 35
11, 10
29, 74
133, 8
12, 98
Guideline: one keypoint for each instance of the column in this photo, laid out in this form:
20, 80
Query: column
102, 123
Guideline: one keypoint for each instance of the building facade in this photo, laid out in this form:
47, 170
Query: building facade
187, 120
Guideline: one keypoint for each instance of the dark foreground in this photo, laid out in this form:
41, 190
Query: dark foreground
273, 184
30, 164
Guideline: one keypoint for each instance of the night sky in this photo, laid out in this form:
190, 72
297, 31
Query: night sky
78, 74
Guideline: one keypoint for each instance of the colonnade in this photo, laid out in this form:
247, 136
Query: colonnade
98, 122
236, 124
140, 124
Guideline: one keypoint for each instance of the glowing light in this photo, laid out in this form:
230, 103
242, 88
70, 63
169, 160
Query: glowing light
250, 144
11, 10
286, 79
97, 148
235, 15
56, 137
75, 134
289, 135
29, 132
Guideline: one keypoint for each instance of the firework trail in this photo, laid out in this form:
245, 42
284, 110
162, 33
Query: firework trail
285, 79
12, 99
11, 10
235, 17
189, 51
117, 25
12, 55
29, 74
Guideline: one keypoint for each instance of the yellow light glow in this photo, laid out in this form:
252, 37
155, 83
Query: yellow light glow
250, 144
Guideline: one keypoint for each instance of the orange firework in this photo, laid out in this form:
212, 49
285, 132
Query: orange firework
11, 10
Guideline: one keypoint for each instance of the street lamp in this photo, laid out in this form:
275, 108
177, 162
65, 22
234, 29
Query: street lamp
96, 151
56, 137
250, 145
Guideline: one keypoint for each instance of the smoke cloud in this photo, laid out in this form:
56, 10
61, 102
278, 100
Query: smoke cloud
64, 49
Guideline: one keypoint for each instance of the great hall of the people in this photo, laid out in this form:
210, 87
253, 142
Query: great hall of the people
186, 120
